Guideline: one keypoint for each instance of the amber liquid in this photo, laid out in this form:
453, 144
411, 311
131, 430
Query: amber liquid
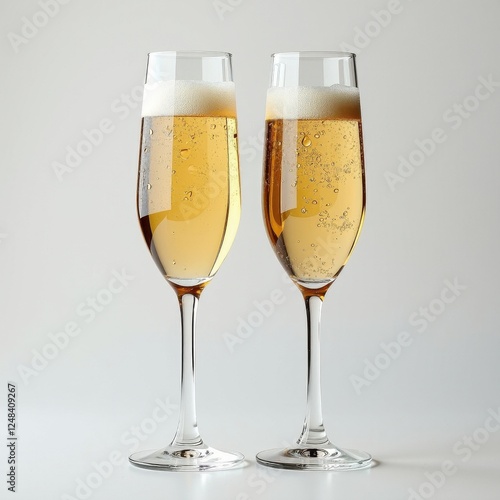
189, 193
314, 195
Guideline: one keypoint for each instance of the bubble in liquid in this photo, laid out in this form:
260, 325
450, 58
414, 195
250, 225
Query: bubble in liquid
150, 131
335, 190
316, 135
213, 126
345, 213
174, 262
304, 210
306, 141
149, 186
146, 150
314, 202
185, 153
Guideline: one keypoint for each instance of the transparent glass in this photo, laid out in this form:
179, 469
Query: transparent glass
314, 205
188, 202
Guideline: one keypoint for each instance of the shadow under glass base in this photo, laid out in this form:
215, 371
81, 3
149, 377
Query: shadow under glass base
324, 457
194, 458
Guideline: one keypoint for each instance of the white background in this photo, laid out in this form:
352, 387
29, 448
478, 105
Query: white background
61, 239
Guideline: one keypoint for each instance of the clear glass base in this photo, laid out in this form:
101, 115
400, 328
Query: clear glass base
188, 458
324, 457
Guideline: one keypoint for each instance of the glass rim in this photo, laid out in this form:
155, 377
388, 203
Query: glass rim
191, 53
320, 54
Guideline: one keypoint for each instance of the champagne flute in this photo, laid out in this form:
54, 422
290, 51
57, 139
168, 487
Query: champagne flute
314, 203
188, 200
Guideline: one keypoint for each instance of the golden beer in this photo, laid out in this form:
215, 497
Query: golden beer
314, 198
189, 192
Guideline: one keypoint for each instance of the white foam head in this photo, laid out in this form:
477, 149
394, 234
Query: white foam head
322, 103
189, 98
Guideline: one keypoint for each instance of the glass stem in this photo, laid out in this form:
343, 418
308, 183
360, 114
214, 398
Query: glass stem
187, 430
313, 433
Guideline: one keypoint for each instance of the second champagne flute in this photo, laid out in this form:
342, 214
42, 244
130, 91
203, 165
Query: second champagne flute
188, 199
314, 204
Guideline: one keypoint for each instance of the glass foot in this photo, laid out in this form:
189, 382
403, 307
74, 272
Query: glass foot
194, 458
325, 457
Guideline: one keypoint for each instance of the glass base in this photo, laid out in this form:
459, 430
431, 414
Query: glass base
188, 458
325, 457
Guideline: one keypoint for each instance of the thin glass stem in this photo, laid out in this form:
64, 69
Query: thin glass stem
313, 433
187, 430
